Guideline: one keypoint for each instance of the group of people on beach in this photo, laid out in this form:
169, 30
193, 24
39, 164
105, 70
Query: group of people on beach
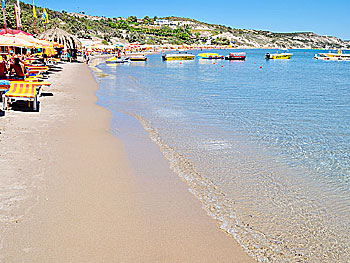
12, 67
86, 57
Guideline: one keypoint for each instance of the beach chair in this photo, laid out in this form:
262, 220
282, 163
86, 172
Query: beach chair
21, 91
38, 84
38, 68
52, 61
33, 70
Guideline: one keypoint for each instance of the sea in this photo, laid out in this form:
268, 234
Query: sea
264, 145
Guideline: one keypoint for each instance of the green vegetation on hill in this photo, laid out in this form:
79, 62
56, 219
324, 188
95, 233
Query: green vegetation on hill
62, 20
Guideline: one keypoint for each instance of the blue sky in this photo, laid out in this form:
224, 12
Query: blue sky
322, 17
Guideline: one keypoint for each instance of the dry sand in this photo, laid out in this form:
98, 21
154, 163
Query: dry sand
71, 192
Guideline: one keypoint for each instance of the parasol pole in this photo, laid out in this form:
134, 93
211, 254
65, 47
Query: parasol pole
19, 15
34, 14
16, 15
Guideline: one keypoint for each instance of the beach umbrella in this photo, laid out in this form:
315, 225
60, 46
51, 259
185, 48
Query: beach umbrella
62, 37
21, 39
13, 32
28, 38
12, 41
50, 52
45, 43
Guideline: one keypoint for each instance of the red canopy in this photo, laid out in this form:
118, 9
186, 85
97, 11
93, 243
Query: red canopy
13, 32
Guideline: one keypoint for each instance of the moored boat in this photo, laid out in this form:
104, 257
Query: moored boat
278, 55
138, 58
178, 56
210, 56
333, 56
236, 56
115, 60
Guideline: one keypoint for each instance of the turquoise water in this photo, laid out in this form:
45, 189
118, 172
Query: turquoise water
266, 150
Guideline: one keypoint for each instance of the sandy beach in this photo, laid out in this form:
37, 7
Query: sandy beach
73, 192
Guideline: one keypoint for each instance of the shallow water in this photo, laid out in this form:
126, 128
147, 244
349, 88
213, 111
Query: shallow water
266, 150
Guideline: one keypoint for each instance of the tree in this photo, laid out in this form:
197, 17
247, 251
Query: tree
146, 19
132, 19
10, 16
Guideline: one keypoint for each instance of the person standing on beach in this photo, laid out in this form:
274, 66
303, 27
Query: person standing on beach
69, 57
119, 54
87, 57
3, 68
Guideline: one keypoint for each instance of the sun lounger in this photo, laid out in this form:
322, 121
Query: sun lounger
28, 79
38, 84
37, 68
21, 91
52, 61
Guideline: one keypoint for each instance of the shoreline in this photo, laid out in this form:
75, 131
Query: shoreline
144, 140
94, 199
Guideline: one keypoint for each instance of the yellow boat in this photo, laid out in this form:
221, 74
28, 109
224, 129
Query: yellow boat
114, 60
210, 56
333, 56
178, 57
278, 56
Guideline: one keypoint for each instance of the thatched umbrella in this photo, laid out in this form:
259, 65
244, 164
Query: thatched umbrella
60, 36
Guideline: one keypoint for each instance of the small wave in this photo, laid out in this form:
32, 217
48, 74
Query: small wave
221, 208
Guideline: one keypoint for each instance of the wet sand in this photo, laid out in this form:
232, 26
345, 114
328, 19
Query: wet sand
72, 192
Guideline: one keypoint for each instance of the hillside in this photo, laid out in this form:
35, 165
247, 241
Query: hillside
167, 30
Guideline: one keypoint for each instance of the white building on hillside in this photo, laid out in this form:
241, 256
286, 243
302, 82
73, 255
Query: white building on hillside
164, 22
161, 22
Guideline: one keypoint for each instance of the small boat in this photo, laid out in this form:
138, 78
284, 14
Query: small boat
236, 56
138, 58
278, 55
115, 60
178, 57
333, 56
210, 56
